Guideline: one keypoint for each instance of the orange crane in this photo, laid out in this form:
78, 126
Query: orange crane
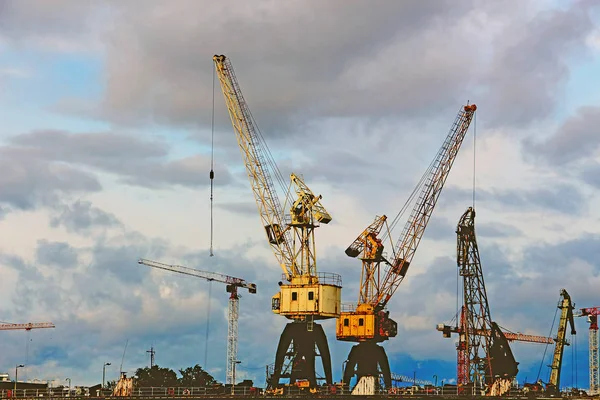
369, 323
592, 314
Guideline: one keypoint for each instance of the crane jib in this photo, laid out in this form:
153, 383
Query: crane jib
415, 226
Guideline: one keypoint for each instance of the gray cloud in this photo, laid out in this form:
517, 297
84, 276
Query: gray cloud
81, 217
324, 79
498, 230
29, 182
561, 197
576, 139
530, 63
139, 162
55, 25
60, 254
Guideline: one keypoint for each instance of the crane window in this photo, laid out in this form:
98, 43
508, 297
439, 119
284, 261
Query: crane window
346, 322
361, 322
311, 295
294, 296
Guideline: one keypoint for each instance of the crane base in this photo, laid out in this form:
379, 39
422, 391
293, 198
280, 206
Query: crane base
296, 354
368, 359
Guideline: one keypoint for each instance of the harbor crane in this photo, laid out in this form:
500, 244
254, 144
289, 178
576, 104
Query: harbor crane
484, 358
305, 295
369, 322
232, 285
592, 316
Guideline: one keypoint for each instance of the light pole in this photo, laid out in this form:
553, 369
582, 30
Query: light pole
69, 379
104, 373
435, 378
16, 377
233, 383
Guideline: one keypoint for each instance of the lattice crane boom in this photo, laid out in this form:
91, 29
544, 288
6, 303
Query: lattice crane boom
209, 276
566, 317
257, 166
233, 284
415, 226
28, 326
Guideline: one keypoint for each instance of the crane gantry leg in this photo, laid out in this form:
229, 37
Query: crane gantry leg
297, 348
368, 359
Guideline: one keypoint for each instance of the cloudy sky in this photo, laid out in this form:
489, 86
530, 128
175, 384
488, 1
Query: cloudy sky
105, 111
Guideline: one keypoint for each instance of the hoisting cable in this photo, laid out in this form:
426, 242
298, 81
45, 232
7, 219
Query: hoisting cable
205, 366
474, 148
212, 161
546, 347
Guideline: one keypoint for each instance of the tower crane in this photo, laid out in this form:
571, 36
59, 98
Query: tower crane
484, 357
305, 295
232, 285
369, 323
592, 314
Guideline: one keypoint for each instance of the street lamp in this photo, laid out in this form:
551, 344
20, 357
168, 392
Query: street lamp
69, 379
16, 377
104, 373
435, 378
233, 383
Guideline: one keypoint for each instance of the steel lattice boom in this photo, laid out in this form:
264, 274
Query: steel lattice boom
28, 326
234, 303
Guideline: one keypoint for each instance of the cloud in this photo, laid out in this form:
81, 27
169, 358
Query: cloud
137, 161
29, 182
530, 65
565, 198
81, 217
55, 26
56, 253
575, 140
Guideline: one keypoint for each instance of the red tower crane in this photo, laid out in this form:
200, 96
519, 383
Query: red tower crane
592, 314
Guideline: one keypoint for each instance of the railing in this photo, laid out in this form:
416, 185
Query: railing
327, 278
222, 391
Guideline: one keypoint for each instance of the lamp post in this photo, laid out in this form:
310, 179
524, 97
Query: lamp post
435, 379
233, 383
104, 373
16, 377
69, 379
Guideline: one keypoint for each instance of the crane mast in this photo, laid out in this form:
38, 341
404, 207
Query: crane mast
369, 323
592, 314
232, 285
308, 295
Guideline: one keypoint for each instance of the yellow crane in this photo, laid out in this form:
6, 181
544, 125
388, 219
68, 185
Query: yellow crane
305, 295
566, 316
369, 323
